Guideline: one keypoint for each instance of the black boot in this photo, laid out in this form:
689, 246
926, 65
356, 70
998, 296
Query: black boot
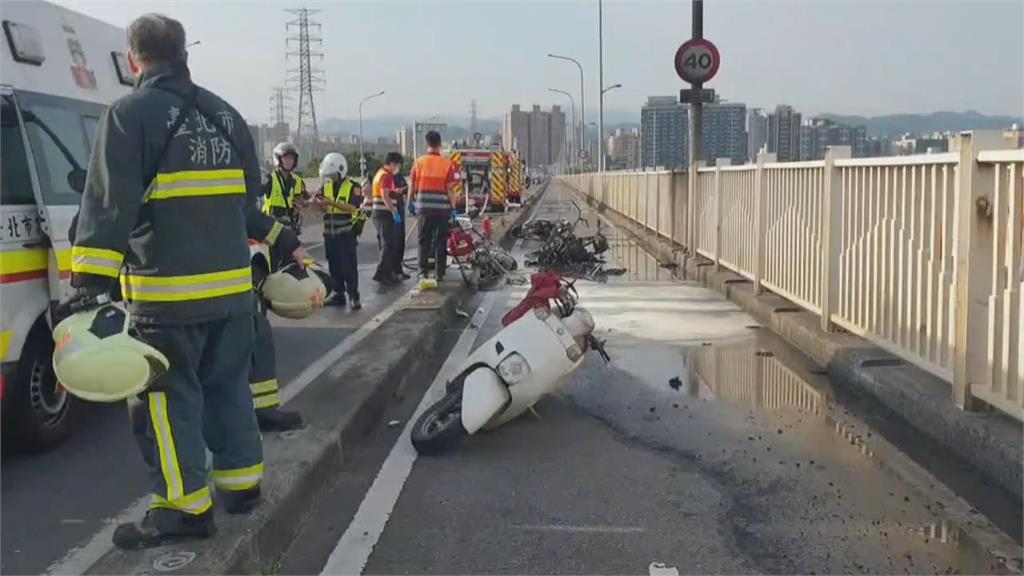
277, 420
162, 526
336, 300
354, 299
239, 501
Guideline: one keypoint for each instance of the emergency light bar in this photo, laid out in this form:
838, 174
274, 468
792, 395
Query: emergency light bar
124, 70
26, 45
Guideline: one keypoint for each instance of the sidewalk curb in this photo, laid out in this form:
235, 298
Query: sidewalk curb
989, 441
339, 406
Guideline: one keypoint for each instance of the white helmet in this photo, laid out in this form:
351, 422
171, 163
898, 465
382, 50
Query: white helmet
295, 292
333, 163
96, 358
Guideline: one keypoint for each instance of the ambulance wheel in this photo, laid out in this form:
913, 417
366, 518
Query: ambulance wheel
440, 425
38, 409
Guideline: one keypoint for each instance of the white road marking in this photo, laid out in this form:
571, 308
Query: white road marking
353, 550
356, 544
581, 529
78, 560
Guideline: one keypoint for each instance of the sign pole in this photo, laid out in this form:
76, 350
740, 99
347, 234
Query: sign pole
696, 107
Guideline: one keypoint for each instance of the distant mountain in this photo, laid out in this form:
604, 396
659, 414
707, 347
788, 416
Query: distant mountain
387, 126
894, 125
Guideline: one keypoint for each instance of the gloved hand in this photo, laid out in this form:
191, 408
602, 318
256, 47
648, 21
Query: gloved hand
82, 299
397, 216
412, 208
453, 214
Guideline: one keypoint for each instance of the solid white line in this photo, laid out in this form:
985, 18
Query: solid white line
353, 550
78, 560
306, 377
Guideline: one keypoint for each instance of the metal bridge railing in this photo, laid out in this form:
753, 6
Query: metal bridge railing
922, 255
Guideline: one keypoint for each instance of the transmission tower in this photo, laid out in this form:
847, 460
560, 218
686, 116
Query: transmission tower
473, 109
305, 44
279, 106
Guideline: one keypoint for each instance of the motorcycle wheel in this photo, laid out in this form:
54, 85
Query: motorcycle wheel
440, 425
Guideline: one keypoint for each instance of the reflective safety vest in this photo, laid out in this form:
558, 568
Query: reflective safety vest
335, 221
277, 196
378, 189
431, 175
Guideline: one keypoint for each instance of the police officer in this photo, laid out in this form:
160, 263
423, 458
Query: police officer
285, 192
171, 197
340, 198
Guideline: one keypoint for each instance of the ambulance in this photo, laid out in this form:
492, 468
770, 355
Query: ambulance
59, 70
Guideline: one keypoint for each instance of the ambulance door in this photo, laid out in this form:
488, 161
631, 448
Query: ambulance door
60, 132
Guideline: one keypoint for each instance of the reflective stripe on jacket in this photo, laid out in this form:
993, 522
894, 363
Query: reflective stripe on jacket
383, 183
172, 214
335, 221
277, 197
431, 175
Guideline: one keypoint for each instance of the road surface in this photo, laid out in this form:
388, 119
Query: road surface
55, 501
707, 446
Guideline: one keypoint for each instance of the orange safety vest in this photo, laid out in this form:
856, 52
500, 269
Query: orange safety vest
431, 175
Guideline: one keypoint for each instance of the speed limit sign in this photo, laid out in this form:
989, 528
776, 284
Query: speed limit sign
697, 61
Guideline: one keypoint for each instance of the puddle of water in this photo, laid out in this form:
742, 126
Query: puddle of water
753, 414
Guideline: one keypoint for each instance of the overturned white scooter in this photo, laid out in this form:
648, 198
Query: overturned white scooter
544, 340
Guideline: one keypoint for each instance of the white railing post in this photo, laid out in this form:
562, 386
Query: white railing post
973, 277
718, 212
831, 232
691, 210
760, 217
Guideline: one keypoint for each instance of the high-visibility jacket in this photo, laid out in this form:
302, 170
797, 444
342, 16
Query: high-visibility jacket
383, 183
431, 176
280, 203
335, 221
173, 221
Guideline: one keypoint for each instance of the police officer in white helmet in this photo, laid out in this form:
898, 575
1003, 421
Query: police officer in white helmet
340, 198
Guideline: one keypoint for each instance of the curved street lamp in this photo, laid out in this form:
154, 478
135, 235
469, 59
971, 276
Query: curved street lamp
362, 157
583, 108
572, 101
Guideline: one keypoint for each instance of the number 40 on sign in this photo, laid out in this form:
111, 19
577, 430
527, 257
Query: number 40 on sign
697, 61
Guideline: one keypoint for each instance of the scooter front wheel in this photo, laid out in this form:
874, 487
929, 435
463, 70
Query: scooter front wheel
440, 425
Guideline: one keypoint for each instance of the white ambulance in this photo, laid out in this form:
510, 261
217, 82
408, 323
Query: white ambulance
58, 72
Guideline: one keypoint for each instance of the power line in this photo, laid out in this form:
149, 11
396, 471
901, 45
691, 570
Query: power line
305, 44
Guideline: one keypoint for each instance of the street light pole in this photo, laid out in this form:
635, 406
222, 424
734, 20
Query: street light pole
600, 83
415, 135
572, 102
362, 157
583, 110
600, 128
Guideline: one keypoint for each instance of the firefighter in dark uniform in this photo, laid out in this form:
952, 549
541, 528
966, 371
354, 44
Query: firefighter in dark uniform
285, 192
340, 199
169, 203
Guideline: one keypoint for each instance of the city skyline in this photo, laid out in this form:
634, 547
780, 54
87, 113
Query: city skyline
756, 68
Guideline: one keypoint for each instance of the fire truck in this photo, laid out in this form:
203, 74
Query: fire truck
490, 180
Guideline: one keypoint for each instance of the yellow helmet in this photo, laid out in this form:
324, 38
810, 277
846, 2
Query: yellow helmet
294, 292
95, 357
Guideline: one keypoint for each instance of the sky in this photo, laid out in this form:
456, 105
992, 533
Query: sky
867, 57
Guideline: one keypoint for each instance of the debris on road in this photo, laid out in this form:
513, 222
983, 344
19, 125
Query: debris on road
675, 382
565, 252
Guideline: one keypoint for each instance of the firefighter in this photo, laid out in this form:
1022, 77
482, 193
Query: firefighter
285, 192
387, 218
433, 191
340, 199
171, 197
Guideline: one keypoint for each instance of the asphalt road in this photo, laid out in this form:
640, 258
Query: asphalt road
707, 446
56, 501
